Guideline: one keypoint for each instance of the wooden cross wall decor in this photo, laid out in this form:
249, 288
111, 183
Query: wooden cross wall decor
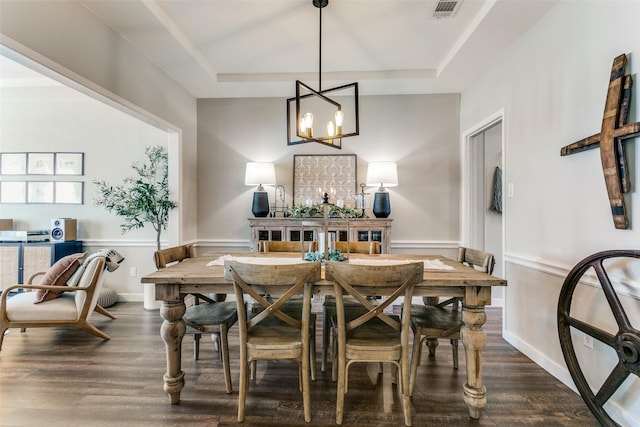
615, 130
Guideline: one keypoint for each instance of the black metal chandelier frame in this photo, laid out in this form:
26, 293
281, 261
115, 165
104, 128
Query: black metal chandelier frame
334, 141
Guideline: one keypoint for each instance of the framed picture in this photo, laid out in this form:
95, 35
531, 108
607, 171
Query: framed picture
69, 192
13, 192
316, 174
40, 192
13, 164
40, 163
69, 164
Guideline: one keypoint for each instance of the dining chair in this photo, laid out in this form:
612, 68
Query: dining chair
294, 305
282, 246
443, 319
374, 336
352, 307
372, 248
271, 333
211, 317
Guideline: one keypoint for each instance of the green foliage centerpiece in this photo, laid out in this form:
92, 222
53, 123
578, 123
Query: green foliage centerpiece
317, 211
334, 255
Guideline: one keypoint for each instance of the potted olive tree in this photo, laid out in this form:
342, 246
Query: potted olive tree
143, 199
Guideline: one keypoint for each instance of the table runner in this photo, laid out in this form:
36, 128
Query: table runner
430, 264
254, 260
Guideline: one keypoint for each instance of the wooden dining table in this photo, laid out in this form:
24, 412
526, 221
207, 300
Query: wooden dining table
442, 277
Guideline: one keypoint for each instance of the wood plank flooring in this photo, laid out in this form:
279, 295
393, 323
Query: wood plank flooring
63, 377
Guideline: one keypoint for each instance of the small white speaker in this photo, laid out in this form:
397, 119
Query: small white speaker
63, 229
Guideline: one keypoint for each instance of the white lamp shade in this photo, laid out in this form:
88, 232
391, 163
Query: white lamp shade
260, 173
384, 174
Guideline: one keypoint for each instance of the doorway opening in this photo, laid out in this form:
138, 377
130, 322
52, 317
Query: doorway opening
483, 195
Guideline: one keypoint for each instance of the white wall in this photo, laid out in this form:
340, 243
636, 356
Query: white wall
552, 85
73, 39
419, 132
59, 119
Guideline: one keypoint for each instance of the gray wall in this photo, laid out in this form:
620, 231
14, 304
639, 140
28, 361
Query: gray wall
419, 132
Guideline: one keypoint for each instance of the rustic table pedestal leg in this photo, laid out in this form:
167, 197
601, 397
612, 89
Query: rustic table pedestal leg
474, 339
172, 331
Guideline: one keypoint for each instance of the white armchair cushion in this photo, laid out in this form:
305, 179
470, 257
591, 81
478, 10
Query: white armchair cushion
85, 280
67, 306
21, 308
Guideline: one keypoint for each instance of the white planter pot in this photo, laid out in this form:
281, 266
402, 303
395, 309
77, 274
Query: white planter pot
150, 302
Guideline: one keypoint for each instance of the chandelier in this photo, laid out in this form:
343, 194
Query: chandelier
323, 116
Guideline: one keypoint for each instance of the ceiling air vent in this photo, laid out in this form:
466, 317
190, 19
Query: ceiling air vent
446, 9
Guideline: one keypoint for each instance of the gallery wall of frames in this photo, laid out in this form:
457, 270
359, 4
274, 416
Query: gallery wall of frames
42, 177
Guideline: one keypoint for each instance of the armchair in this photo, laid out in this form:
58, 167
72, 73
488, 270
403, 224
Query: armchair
73, 308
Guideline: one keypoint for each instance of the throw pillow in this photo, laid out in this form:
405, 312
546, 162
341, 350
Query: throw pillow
57, 275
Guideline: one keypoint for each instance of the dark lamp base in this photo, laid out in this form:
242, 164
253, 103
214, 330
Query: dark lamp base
381, 205
260, 207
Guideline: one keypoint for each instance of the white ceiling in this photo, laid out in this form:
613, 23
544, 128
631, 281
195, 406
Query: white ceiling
244, 48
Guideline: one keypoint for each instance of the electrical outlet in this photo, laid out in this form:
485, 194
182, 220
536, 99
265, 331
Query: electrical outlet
510, 189
587, 340
133, 272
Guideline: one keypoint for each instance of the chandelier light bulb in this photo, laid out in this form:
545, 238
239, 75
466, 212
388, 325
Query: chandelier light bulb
308, 119
339, 116
331, 128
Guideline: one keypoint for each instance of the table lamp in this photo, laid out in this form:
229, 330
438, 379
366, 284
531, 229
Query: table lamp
384, 174
259, 173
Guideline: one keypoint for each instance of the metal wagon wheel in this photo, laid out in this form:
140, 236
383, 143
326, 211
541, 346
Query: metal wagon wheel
626, 342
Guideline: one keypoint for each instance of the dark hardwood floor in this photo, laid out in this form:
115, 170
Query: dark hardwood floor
63, 377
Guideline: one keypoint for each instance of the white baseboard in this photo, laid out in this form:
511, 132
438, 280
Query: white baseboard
560, 372
131, 297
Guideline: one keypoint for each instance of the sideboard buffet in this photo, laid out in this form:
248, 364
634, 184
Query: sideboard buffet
340, 229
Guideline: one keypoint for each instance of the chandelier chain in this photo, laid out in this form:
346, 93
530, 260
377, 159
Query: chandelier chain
320, 52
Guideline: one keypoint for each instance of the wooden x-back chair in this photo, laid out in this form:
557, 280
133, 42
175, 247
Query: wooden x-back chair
288, 246
372, 248
373, 336
294, 305
211, 317
271, 333
329, 304
443, 319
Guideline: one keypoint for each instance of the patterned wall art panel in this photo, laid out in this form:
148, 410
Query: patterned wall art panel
314, 174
